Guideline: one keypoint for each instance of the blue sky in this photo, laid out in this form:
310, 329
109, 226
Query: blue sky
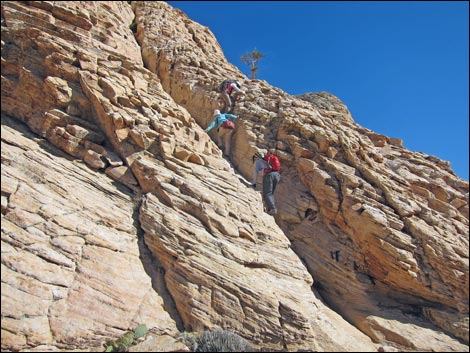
401, 67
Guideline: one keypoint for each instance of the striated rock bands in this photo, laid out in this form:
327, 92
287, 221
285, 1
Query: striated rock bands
119, 210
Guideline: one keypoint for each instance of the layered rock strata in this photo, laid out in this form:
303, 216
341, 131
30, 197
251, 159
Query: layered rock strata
118, 209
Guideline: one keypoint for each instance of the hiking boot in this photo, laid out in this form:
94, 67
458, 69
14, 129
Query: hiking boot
272, 212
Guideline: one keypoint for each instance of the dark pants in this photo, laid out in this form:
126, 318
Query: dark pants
270, 181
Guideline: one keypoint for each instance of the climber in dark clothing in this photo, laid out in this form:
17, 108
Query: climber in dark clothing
229, 87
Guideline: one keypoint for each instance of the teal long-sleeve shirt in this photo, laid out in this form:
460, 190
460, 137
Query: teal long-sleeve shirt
219, 120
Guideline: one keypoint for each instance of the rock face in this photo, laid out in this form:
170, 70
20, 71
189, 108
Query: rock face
118, 209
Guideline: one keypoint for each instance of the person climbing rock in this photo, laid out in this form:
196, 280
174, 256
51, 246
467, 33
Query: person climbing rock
271, 166
225, 130
271, 178
260, 164
227, 88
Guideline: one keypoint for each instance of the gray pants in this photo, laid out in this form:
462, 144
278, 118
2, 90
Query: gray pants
270, 181
228, 101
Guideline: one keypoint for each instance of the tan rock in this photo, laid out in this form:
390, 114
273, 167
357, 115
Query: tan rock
378, 232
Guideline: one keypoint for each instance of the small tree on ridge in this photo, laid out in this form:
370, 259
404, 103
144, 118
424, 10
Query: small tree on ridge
251, 59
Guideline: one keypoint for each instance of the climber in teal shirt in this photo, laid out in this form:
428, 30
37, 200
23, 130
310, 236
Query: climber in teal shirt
220, 119
225, 129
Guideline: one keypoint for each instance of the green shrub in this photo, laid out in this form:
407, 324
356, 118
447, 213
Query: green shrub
140, 331
123, 343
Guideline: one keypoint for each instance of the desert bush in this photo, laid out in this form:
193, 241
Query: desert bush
123, 343
221, 341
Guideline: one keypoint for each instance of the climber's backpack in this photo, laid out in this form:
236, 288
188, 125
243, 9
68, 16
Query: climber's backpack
273, 163
224, 84
228, 124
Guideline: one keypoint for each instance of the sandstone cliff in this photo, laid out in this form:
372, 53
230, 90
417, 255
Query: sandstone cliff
118, 209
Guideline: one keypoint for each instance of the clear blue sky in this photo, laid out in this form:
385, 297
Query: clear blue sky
401, 67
